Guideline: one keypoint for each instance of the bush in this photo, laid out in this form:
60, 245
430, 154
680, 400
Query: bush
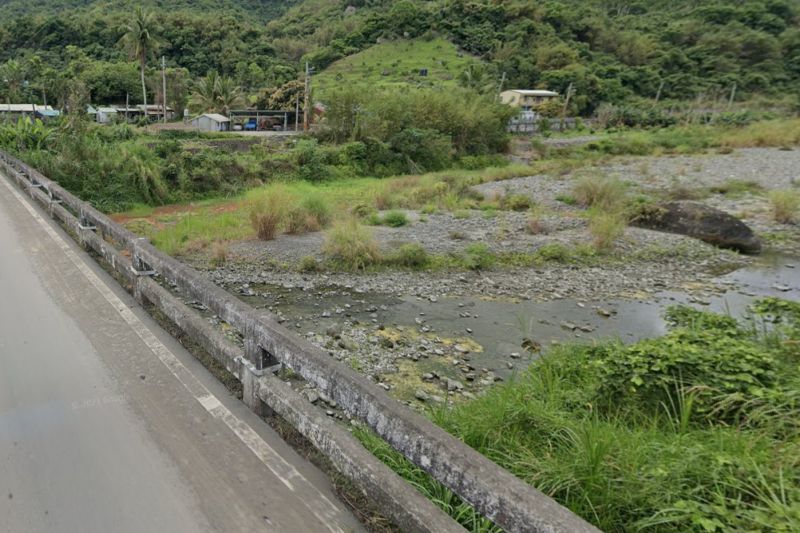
268, 213
478, 256
308, 264
707, 355
516, 202
351, 245
785, 206
606, 227
411, 255
604, 193
311, 161
395, 219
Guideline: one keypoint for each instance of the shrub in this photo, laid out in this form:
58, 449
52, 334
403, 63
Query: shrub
362, 210
219, 253
785, 206
411, 255
395, 219
516, 202
554, 252
605, 228
267, 214
308, 264
534, 225
351, 245
603, 192
311, 161
705, 354
478, 256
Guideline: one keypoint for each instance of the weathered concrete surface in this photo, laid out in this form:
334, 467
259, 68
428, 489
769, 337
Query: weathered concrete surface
701, 222
96, 434
494, 492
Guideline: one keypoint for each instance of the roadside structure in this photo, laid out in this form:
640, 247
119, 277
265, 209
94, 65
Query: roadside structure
211, 122
527, 99
17, 111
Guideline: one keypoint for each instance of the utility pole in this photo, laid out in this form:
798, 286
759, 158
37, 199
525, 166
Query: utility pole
502, 83
127, 105
296, 112
566, 105
733, 95
164, 86
658, 93
307, 103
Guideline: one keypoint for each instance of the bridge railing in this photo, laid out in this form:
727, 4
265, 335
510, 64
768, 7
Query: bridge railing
497, 494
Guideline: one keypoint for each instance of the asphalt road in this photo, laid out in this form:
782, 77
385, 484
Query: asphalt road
108, 425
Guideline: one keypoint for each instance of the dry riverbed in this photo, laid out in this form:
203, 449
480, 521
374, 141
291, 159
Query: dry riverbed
432, 335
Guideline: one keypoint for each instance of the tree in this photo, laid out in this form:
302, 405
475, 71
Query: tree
204, 95
141, 42
12, 74
228, 94
216, 93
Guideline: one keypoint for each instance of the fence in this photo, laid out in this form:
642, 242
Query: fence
494, 492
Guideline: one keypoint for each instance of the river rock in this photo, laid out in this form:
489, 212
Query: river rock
703, 222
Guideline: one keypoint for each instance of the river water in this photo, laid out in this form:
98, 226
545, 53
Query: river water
501, 327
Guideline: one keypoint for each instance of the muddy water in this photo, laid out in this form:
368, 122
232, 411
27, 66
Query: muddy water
501, 327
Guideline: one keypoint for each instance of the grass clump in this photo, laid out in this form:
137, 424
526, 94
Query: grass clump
694, 431
566, 199
219, 253
603, 192
411, 255
516, 202
606, 227
785, 206
268, 213
350, 245
308, 264
395, 219
737, 188
478, 256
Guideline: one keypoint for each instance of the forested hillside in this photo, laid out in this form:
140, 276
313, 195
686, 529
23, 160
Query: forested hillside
608, 50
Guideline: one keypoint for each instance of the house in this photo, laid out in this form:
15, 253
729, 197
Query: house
16, 111
212, 122
106, 115
526, 99
156, 112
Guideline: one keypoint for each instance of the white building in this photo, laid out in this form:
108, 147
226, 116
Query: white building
526, 99
212, 122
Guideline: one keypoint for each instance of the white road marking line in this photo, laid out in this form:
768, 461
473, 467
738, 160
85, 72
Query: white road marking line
325, 510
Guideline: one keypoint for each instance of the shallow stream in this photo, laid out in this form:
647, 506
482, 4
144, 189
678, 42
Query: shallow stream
503, 329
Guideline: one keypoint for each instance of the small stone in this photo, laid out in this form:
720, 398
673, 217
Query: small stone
515, 355
422, 396
312, 396
460, 348
781, 287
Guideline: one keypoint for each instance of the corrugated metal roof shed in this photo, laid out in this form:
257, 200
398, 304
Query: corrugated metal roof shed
216, 117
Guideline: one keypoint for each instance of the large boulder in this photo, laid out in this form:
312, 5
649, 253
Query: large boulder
701, 222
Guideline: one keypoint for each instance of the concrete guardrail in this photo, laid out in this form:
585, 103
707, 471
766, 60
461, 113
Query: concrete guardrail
497, 494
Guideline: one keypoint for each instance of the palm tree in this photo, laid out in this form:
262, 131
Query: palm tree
228, 94
141, 42
204, 94
216, 93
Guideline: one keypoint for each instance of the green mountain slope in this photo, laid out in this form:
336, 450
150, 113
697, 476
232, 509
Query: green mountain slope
397, 63
608, 50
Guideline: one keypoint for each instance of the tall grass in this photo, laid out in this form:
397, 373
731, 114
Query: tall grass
606, 227
673, 465
268, 213
601, 192
785, 206
350, 245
